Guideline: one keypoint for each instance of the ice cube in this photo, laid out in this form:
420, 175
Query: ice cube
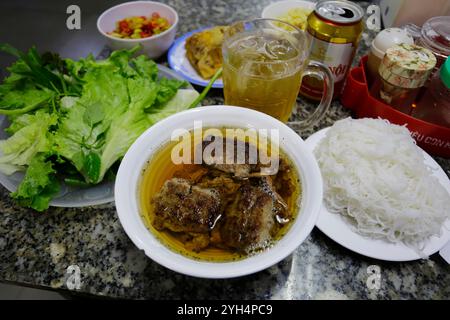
280, 49
248, 43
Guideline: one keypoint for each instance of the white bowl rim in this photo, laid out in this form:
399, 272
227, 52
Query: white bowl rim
141, 39
128, 208
266, 10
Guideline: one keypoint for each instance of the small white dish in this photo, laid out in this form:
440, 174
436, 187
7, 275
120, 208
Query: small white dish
154, 46
336, 228
135, 160
277, 9
179, 62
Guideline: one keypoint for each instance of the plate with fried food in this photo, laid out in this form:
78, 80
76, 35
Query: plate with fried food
197, 55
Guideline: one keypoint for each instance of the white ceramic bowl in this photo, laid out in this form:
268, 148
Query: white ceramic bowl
154, 46
135, 160
277, 9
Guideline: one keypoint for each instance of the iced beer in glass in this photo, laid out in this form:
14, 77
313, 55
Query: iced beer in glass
264, 62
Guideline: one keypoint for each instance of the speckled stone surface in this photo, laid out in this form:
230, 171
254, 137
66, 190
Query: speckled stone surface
37, 248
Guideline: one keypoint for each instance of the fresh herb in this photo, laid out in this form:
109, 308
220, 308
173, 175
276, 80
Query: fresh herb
207, 88
80, 116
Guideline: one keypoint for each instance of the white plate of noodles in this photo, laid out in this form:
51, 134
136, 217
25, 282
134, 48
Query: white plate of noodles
406, 214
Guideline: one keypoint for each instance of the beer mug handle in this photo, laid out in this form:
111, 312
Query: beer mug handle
317, 69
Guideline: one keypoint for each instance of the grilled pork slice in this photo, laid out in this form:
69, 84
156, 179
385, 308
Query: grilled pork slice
195, 241
225, 185
182, 207
228, 162
191, 172
280, 206
250, 218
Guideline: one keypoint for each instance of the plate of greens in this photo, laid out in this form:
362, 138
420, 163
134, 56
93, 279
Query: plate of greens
66, 124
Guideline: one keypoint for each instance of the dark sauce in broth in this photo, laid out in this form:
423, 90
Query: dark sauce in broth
161, 169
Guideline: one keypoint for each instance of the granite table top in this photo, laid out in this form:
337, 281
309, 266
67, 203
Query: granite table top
36, 249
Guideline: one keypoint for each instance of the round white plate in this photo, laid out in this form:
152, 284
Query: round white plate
335, 227
181, 65
72, 196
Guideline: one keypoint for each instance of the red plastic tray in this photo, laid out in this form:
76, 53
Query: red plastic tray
432, 138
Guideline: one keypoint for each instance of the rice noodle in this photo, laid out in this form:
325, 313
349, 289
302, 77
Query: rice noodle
375, 175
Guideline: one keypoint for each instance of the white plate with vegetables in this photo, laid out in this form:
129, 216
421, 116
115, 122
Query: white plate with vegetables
384, 197
68, 123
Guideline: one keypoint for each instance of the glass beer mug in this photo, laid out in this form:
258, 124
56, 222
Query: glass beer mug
264, 61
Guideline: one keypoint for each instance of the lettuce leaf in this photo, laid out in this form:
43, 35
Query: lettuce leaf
182, 99
13, 102
75, 119
118, 95
81, 131
38, 186
30, 136
166, 91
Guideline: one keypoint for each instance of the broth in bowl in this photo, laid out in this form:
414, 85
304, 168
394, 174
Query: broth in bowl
225, 207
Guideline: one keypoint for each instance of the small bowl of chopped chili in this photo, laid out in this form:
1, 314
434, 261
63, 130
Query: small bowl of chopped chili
151, 24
